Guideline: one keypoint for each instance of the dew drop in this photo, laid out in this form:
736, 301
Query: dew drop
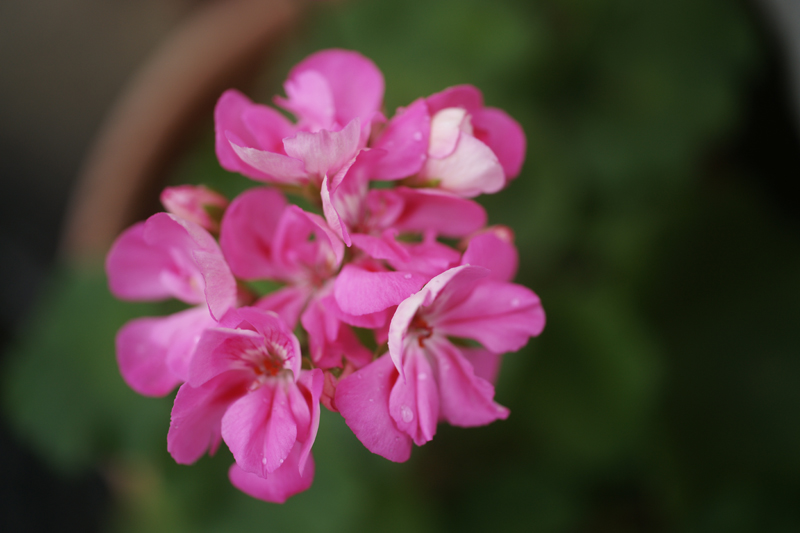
281, 461
515, 302
417, 135
263, 460
407, 276
423, 376
371, 400
406, 414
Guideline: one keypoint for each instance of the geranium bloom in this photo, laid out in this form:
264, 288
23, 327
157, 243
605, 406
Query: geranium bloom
246, 387
375, 259
165, 257
400, 398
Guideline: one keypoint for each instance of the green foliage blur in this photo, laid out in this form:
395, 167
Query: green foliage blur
664, 392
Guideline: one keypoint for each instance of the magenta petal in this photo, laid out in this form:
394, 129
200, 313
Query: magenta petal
433, 210
363, 400
247, 233
501, 316
228, 118
503, 135
197, 414
485, 363
260, 430
325, 152
360, 292
267, 126
279, 485
287, 302
355, 82
414, 401
275, 167
310, 99
321, 229
142, 346
405, 141
491, 251
219, 350
310, 383
465, 96
466, 400
134, 267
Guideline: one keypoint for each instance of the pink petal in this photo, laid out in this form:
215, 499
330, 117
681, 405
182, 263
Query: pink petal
310, 99
254, 126
360, 292
260, 430
465, 96
329, 339
354, 81
142, 345
491, 251
472, 169
248, 230
429, 210
325, 152
501, 316
466, 400
414, 401
277, 486
287, 302
333, 218
271, 167
268, 127
485, 363
503, 135
195, 424
220, 350
363, 400
169, 256
405, 142
134, 268
310, 383
343, 196
323, 255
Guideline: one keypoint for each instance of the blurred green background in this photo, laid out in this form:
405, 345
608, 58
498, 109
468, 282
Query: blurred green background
664, 393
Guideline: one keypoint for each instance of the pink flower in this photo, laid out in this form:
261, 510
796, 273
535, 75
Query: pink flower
161, 258
473, 149
399, 398
246, 387
335, 94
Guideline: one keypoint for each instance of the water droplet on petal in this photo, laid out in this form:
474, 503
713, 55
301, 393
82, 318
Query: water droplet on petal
281, 461
371, 400
406, 414
515, 302
417, 135
423, 375
263, 460
407, 276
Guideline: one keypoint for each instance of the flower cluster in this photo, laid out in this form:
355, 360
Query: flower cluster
396, 299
